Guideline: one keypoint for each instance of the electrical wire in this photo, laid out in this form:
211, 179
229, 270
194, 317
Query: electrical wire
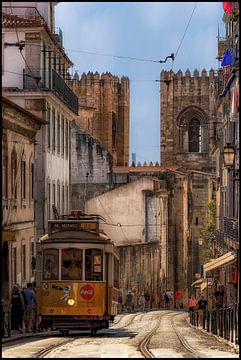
179, 46
37, 79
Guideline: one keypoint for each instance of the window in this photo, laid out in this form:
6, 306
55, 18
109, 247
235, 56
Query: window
23, 177
48, 128
32, 257
66, 138
23, 262
67, 200
49, 201
62, 130
53, 130
44, 65
15, 265
93, 265
14, 174
31, 181
51, 264
53, 195
5, 178
58, 133
194, 135
71, 264
62, 207
58, 197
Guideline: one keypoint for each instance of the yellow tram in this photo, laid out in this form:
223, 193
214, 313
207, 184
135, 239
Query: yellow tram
77, 275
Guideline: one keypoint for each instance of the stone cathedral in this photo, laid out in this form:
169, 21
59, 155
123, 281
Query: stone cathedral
188, 122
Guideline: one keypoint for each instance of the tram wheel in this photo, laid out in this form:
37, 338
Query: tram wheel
93, 332
64, 332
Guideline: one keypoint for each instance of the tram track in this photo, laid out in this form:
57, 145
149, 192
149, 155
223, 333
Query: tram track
147, 353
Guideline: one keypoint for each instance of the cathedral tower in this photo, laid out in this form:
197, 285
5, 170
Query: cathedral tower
105, 110
187, 118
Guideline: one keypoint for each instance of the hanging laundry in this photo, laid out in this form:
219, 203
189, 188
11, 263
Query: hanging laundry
227, 58
227, 7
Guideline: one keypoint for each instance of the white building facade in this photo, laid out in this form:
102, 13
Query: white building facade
35, 76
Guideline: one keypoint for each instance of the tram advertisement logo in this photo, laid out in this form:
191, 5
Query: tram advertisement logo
87, 292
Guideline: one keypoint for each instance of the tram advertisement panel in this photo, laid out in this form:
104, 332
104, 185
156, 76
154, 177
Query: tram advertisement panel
59, 298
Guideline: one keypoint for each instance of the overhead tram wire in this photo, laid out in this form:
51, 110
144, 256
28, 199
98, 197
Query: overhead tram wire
171, 56
36, 78
179, 46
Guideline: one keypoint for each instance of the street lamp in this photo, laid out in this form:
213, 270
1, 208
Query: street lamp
228, 156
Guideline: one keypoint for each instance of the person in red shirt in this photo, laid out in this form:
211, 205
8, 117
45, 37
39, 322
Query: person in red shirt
178, 297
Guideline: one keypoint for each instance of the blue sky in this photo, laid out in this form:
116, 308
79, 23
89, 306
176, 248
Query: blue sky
144, 30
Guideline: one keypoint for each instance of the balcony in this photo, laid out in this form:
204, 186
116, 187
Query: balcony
59, 85
230, 228
32, 81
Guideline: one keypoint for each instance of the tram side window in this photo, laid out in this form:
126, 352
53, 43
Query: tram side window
93, 265
71, 264
51, 264
116, 273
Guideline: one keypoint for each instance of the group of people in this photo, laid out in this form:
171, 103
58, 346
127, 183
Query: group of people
216, 301
145, 301
23, 307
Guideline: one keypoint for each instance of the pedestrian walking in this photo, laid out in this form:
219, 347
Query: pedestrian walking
17, 309
129, 301
191, 304
30, 303
153, 298
166, 300
169, 294
178, 297
120, 303
201, 308
147, 299
142, 302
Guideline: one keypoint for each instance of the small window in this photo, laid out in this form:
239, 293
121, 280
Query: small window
72, 264
24, 262
51, 264
93, 265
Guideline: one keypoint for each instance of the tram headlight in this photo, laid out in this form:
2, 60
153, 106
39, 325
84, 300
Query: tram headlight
70, 302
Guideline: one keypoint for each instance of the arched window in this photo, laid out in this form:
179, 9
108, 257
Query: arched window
194, 135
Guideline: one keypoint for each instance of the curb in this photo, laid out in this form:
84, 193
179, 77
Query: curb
27, 335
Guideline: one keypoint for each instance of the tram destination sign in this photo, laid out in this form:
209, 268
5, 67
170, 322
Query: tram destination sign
73, 225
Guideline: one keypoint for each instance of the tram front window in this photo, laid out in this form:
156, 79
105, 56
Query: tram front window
51, 261
93, 265
71, 264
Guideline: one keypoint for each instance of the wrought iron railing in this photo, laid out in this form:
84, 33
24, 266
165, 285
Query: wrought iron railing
221, 322
32, 80
230, 228
60, 86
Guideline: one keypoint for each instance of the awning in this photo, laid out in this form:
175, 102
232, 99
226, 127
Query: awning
201, 283
197, 283
204, 284
225, 259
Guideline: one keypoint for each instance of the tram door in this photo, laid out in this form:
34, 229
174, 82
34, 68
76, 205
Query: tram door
107, 282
